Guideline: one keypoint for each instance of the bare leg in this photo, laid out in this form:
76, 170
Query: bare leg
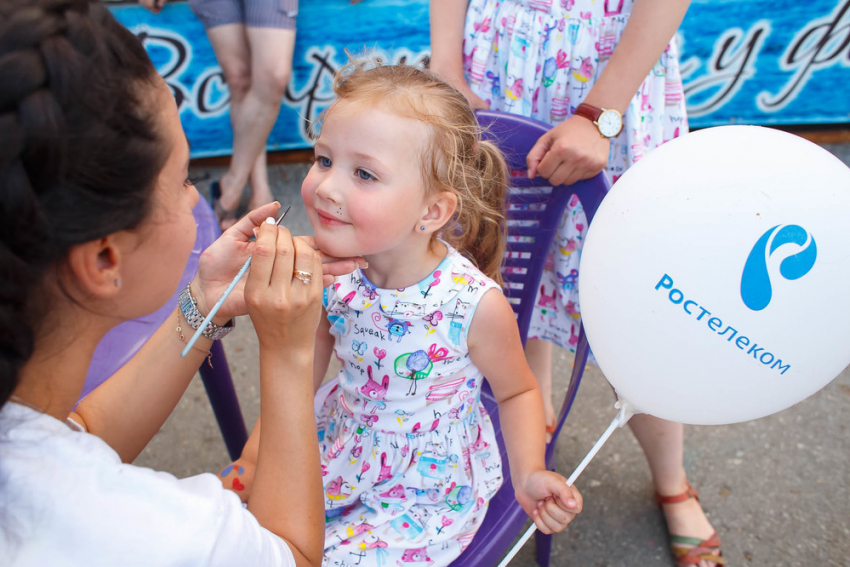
257, 63
539, 355
271, 65
230, 43
663, 444
261, 192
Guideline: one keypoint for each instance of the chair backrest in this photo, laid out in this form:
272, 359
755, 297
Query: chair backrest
534, 211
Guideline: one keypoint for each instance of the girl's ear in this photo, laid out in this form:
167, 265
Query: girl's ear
441, 206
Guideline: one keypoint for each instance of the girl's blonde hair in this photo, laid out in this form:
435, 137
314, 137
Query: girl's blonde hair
455, 159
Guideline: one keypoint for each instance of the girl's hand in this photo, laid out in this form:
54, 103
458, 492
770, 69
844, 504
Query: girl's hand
571, 151
284, 307
220, 262
547, 499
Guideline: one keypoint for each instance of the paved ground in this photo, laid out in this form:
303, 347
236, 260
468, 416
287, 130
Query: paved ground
776, 489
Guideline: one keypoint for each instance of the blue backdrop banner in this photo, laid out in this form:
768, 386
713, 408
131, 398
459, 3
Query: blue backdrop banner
743, 61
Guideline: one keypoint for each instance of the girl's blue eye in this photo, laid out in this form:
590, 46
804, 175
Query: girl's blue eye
323, 161
365, 175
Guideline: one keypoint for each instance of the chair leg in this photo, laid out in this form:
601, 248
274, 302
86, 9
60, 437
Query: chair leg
225, 404
543, 543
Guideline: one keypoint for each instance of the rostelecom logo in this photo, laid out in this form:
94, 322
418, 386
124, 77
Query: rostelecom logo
756, 290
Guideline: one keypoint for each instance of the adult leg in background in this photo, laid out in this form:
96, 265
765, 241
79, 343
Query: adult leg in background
662, 443
257, 64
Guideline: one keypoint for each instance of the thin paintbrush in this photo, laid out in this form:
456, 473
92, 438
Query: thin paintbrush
224, 295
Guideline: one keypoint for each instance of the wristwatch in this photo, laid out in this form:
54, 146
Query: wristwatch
189, 307
608, 121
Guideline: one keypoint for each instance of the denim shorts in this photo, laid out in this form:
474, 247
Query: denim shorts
278, 14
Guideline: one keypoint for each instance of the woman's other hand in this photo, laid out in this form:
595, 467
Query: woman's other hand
332, 267
571, 151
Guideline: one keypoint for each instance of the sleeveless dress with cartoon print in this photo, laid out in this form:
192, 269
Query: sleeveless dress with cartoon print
540, 58
409, 454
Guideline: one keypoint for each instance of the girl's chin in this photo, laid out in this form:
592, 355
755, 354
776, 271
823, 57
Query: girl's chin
336, 247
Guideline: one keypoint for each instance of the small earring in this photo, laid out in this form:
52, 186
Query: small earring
421, 228
117, 282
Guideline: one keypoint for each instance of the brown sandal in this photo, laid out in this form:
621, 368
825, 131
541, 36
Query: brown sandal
691, 550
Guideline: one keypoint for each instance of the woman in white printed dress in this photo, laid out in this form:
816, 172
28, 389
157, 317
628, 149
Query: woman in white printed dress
605, 74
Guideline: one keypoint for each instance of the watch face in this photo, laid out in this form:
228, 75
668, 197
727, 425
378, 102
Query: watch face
610, 123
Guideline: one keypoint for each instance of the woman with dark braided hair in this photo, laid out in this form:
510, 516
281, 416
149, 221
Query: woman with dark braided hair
96, 226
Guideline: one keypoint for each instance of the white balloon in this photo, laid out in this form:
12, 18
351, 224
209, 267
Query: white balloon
714, 277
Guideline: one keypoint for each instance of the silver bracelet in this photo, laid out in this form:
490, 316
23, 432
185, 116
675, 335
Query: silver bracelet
189, 307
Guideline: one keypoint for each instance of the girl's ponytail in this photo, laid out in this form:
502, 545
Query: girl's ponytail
481, 225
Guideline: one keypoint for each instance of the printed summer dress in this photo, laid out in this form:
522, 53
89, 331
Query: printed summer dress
540, 58
409, 455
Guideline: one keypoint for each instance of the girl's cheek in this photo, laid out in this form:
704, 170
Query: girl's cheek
306, 185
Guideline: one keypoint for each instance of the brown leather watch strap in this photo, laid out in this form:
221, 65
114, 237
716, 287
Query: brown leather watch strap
588, 111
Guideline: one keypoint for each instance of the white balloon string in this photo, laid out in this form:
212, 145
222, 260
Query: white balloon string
623, 416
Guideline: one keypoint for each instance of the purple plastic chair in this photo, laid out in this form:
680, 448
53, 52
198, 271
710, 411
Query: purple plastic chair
121, 343
534, 211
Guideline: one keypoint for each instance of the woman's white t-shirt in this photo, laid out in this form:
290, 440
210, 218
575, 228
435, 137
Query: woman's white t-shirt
67, 499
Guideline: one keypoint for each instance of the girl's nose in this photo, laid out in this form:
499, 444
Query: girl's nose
327, 190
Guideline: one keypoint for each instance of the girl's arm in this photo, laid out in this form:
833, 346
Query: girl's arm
574, 150
496, 349
324, 349
447, 20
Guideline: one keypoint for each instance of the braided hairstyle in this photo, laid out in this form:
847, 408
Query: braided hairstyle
80, 150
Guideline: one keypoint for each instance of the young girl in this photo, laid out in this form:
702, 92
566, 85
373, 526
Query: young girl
409, 454
563, 62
